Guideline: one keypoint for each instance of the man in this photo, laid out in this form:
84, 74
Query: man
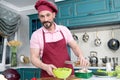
48, 45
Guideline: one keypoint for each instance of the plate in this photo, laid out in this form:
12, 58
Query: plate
22, 58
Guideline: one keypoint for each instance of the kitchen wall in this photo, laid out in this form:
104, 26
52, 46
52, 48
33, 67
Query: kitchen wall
23, 34
104, 33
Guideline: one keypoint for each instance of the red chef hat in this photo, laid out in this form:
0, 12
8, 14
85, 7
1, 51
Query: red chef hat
42, 5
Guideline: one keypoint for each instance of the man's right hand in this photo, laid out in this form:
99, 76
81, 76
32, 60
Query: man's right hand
49, 69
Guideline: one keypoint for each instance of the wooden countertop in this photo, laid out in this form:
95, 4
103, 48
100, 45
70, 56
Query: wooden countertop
53, 78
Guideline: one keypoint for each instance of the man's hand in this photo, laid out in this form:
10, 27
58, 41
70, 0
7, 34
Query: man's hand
49, 69
83, 62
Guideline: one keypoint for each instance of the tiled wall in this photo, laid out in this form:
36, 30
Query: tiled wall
104, 33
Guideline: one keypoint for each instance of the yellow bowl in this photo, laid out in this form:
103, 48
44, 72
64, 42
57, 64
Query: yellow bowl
62, 73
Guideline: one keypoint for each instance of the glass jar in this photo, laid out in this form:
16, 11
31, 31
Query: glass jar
13, 56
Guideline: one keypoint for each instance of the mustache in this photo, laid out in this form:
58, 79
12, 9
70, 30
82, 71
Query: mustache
46, 22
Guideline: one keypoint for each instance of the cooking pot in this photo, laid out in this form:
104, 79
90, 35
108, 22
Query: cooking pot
93, 58
113, 43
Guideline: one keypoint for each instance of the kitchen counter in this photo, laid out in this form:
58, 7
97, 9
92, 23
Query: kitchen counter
74, 78
100, 67
31, 66
17, 67
52, 78
101, 78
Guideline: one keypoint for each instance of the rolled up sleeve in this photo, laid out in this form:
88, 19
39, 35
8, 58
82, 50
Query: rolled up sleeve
34, 41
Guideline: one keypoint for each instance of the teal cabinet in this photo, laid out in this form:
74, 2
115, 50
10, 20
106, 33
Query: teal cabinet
88, 13
65, 11
115, 5
64, 22
90, 7
34, 23
82, 13
104, 19
28, 73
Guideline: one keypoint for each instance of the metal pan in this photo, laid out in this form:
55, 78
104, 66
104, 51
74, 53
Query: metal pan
113, 43
97, 41
85, 37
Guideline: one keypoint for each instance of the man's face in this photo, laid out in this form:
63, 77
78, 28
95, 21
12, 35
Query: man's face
46, 18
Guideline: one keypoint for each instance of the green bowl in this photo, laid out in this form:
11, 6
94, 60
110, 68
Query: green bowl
62, 73
82, 74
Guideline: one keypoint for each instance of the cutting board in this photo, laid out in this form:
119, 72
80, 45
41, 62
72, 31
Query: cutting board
53, 78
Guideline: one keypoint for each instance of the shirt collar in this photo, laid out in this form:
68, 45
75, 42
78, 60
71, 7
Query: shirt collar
56, 29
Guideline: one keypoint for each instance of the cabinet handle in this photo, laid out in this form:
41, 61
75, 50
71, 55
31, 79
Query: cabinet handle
110, 3
89, 14
35, 75
70, 9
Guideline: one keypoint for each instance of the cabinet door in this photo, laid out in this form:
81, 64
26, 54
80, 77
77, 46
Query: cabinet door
62, 22
28, 73
83, 11
89, 21
115, 5
34, 23
91, 7
65, 9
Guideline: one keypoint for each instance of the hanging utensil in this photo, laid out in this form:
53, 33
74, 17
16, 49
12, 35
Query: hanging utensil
75, 63
97, 41
69, 62
85, 37
113, 43
75, 37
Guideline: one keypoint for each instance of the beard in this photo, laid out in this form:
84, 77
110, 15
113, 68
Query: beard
47, 24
